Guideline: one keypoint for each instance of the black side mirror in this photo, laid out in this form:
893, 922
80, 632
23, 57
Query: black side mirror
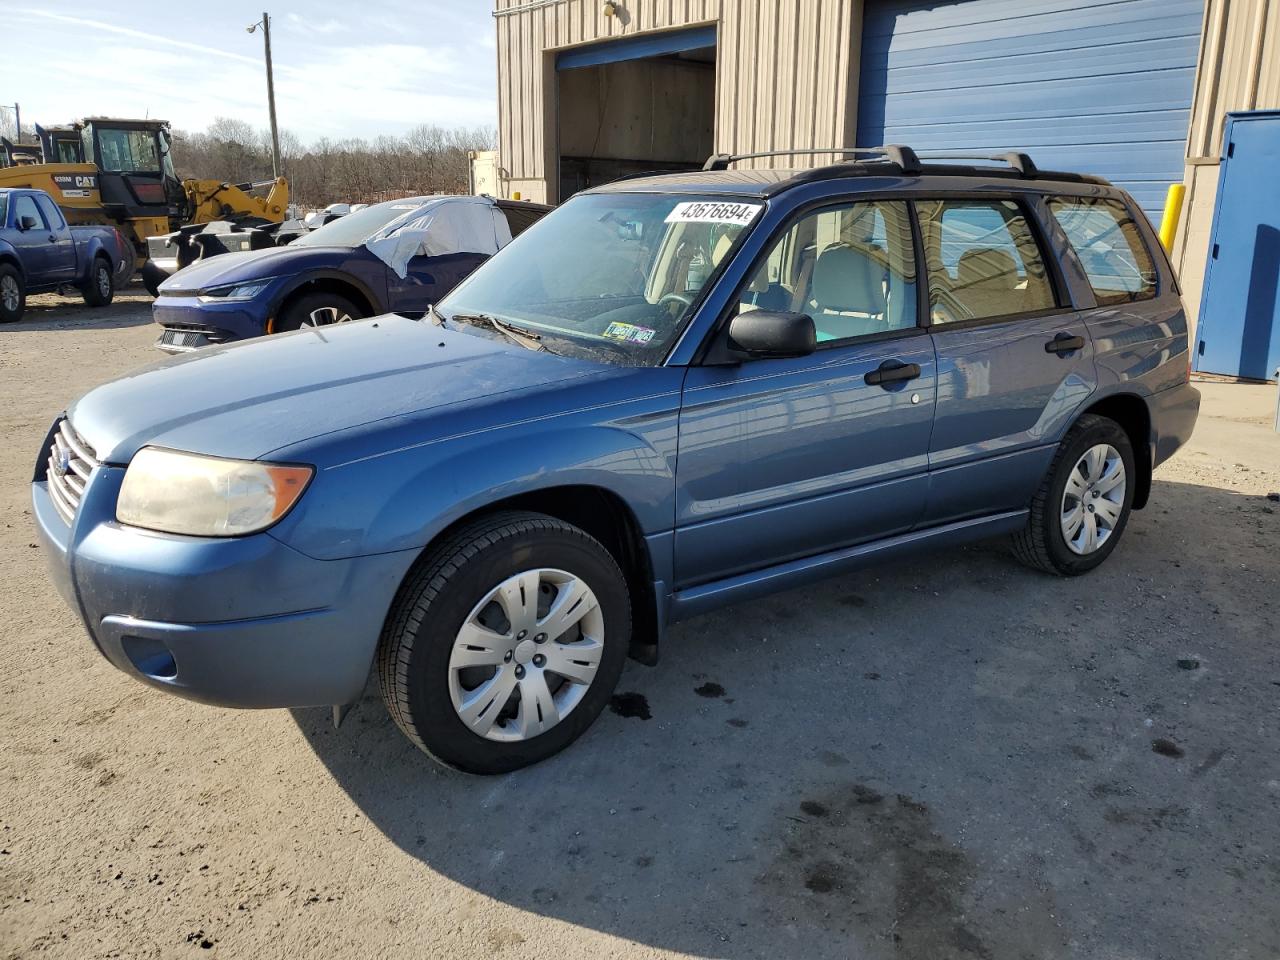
26, 223
766, 333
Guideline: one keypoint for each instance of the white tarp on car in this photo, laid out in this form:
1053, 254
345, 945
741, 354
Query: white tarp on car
441, 226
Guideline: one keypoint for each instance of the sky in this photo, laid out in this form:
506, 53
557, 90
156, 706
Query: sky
342, 69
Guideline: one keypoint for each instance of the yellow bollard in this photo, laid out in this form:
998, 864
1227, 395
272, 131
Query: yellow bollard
1172, 210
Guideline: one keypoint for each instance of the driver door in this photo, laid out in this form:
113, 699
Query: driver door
781, 459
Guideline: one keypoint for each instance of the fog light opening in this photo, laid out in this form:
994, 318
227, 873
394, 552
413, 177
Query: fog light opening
150, 657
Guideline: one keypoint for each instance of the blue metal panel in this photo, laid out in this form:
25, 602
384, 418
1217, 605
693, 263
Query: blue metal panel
1239, 332
1094, 86
637, 48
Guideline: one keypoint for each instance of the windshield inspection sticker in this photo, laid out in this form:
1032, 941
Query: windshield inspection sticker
629, 333
703, 211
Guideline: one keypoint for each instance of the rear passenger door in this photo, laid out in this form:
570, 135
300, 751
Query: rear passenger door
1015, 361
785, 458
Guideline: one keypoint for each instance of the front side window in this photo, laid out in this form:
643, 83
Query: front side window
1110, 249
984, 261
612, 276
129, 151
24, 206
851, 268
52, 215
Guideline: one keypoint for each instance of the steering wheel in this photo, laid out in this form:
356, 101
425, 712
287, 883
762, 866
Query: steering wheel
681, 298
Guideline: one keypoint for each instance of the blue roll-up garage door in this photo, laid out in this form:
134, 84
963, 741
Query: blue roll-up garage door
1096, 86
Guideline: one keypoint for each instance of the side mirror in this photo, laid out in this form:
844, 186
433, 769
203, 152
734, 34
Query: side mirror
766, 333
26, 223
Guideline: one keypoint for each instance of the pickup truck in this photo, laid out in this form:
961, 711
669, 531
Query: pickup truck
39, 252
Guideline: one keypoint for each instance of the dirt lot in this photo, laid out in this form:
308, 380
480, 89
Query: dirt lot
951, 757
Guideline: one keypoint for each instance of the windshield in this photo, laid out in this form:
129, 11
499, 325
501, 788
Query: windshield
612, 276
355, 228
128, 151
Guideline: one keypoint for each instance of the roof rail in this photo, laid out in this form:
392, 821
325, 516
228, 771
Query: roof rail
1020, 162
904, 157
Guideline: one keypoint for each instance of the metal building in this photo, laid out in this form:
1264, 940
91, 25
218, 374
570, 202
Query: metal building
1134, 90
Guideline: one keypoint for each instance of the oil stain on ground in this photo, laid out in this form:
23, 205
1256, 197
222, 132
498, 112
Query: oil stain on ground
630, 705
709, 689
871, 866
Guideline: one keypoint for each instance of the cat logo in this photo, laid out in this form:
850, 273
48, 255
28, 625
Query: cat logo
78, 185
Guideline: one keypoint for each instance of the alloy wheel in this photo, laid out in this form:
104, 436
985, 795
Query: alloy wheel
104, 282
1093, 501
526, 655
9, 293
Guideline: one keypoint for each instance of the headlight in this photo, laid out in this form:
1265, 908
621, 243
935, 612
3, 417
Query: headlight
235, 291
206, 496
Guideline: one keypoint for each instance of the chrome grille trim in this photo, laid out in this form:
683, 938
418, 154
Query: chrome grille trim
67, 487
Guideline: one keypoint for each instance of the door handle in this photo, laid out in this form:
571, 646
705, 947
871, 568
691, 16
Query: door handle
1064, 343
52, 238
892, 371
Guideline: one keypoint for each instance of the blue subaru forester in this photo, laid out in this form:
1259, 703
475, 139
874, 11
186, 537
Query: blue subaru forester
669, 394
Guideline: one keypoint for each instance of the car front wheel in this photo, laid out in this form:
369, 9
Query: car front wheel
1080, 511
13, 298
505, 642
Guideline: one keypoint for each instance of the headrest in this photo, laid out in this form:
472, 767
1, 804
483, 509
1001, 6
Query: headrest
848, 279
987, 268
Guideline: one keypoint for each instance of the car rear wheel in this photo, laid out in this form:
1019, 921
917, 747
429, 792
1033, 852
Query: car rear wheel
13, 296
317, 310
505, 643
100, 288
1080, 511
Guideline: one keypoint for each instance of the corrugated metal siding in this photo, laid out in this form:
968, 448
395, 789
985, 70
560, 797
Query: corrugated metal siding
1239, 70
1102, 86
786, 72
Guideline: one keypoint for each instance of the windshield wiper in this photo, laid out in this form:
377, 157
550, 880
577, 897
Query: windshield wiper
522, 336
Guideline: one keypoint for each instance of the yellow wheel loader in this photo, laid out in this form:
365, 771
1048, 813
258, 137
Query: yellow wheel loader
105, 170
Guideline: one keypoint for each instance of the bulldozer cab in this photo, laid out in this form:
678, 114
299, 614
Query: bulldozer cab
135, 170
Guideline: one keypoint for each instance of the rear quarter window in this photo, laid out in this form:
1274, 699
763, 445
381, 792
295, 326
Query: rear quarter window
1109, 246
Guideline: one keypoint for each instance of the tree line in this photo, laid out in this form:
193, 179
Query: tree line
426, 159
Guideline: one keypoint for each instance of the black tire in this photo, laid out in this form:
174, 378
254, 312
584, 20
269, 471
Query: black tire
438, 596
10, 276
152, 277
100, 288
298, 311
1042, 544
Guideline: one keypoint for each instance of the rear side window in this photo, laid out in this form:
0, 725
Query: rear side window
52, 215
1110, 248
984, 261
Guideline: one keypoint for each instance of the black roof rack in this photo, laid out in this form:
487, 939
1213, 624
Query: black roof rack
904, 157
1018, 161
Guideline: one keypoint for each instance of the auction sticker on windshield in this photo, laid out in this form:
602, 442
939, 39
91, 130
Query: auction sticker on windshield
629, 332
705, 211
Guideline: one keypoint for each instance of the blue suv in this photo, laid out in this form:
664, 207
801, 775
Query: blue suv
670, 394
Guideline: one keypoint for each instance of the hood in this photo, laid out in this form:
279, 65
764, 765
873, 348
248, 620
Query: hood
247, 399
249, 265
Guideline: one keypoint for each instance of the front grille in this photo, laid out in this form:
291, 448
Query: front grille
71, 461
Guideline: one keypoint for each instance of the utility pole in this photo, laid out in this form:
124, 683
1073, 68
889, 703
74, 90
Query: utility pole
17, 123
265, 24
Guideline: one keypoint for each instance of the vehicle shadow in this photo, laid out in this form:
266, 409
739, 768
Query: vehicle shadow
947, 757
69, 317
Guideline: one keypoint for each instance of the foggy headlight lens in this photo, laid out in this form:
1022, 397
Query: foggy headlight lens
206, 496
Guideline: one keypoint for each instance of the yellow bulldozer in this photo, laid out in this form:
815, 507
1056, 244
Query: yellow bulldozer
105, 170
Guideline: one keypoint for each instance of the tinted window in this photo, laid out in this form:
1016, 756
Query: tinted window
4, 209
1110, 249
521, 219
984, 261
52, 215
24, 206
851, 268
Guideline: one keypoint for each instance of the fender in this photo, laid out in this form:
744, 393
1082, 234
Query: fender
10, 255
326, 273
404, 498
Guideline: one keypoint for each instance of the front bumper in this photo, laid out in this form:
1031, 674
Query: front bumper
240, 622
211, 321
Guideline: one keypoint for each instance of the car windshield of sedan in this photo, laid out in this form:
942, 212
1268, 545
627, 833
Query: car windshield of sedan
611, 276
355, 228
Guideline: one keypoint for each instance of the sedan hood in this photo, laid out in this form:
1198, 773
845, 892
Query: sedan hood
247, 399
248, 265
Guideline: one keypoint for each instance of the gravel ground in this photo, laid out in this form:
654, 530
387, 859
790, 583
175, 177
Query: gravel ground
947, 757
